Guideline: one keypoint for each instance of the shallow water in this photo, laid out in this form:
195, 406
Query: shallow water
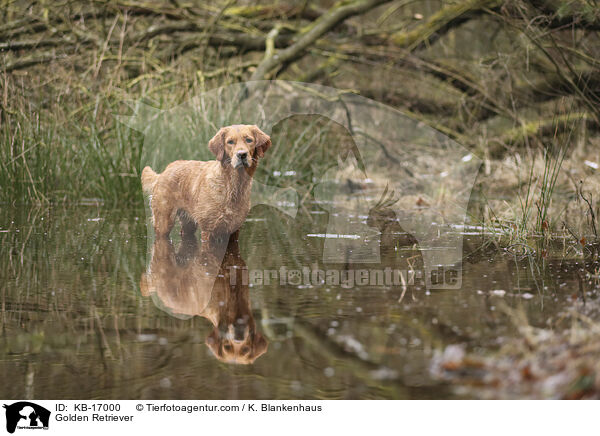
75, 323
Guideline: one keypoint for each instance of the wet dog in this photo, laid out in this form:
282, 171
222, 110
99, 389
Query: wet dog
214, 195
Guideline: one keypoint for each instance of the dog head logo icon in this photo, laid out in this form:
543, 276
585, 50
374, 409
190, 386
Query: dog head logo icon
26, 415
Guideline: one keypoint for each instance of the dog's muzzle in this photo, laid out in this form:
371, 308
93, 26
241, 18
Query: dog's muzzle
241, 159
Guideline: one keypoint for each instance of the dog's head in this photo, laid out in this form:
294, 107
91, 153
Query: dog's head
240, 145
235, 344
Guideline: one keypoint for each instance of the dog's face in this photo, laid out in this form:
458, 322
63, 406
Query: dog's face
240, 145
236, 345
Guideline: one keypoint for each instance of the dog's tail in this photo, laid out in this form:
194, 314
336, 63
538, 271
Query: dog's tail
149, 178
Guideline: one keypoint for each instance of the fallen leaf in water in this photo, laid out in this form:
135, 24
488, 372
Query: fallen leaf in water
526, 373
421, 202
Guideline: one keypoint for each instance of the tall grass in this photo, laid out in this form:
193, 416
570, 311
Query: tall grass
552, 166
48, 157
539, 192
536, 212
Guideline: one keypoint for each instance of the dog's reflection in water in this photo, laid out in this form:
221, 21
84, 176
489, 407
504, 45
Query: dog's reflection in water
207, 281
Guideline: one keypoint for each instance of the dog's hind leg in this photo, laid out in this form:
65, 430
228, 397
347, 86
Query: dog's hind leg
188, 225
163, 222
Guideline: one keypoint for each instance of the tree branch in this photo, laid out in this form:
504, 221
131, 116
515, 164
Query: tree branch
328, 21
440, 23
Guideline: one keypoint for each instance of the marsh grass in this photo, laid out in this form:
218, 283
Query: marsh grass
47, 157
552, 166
541, 203
539, 191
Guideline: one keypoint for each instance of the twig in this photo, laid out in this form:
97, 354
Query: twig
591, 209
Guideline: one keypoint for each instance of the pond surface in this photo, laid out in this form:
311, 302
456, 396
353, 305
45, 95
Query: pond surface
77, 325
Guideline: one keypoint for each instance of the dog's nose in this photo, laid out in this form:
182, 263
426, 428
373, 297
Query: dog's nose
239, 332
242, 154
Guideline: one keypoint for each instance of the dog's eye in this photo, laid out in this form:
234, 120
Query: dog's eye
248, 140
230, 142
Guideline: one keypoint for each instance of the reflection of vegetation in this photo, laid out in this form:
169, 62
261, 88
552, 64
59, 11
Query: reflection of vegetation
73, 320
75, 324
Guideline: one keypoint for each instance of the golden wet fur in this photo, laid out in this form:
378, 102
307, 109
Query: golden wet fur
207, 282
214, 195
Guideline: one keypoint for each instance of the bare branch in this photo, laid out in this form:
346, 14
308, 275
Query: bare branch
328, 21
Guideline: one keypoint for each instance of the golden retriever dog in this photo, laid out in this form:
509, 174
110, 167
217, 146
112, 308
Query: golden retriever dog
214, 195
207, 282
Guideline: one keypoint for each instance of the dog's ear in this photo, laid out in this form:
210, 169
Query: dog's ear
259, 347
263, 141
217, 144
213, 342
